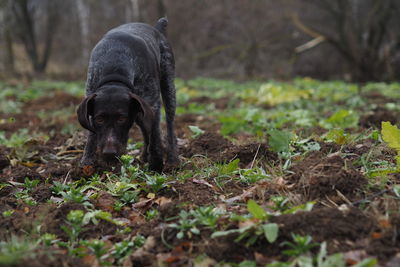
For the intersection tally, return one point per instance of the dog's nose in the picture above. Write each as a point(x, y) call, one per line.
point(109, 151)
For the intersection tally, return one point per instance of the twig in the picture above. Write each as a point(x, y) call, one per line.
point(69, 151)
point(255, 156)
point(66, 177)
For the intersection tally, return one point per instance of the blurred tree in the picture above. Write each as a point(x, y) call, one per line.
point(24, 28)
point(8, 52)
point(82, 7)
point(361, 31)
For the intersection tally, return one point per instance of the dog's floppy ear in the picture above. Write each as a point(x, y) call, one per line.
point(144, 112)
point(85, 109)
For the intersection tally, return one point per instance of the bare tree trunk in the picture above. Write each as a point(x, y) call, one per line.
point(135, 10)
point(83, 15)
point(24, 30)
point(162, 11)
point(8, 52)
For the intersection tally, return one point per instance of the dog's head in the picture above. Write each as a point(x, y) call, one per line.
point(110, 114)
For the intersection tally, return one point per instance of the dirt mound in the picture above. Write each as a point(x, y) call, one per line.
point(318, 175)
point(327, 224)
point(375, 118)
point(248, 153)
point(219, 149)
point(41, 193)
point(19, 173)
point(340, 228)
point(209, 144)
point(387, 243)
point(195, 193)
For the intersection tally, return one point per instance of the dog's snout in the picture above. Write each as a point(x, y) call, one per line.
point(110, 151)
point(110, 147)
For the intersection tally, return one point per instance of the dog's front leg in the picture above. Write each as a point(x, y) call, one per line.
point(89, 155)
point(153, 150)
point(156, 149)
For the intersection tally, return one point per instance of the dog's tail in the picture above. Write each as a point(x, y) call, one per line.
point(161, 25)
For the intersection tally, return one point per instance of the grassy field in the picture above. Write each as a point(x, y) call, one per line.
point(300, 173)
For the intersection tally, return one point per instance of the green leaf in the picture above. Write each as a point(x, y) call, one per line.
point(279, 140)
point(256, 210)
point(366, 263)
point(391, 135)
point(196, 131)
point(271, 231)
point(230, 167)
point(247, 264)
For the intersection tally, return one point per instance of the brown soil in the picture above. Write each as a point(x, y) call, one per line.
point(219, 149)
point(317, 176)
point(375, 118)
point(220, 103)
point(343, 230)
point(194, 193)
point(55, 102)
point(387, 244)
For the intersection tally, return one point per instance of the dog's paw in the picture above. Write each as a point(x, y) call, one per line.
point(87, 162)
point(156, 165)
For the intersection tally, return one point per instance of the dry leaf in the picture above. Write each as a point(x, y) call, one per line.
point(88, 170)
point(161, 201)
point(376, 235)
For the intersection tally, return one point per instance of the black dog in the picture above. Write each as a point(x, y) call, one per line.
point(128, 70)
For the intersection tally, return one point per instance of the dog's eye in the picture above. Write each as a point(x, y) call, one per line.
point(99, 120)
point(121, 120)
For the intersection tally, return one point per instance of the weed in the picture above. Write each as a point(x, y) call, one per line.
point(8, 213)
point(151, 214)
point(73, 229)
point(187, 225)
point(254, 229)
point(299, 246)
point(196, 131)
point(16, 249)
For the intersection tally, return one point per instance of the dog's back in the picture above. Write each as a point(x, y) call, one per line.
point(131, 50)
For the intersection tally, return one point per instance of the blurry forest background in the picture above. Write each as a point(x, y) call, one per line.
point(354, 40)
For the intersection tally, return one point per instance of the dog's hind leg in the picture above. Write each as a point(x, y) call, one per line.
point(168, 93)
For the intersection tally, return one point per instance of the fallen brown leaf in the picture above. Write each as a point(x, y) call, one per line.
point(88, 170)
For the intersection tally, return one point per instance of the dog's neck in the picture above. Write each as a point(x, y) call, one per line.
point(115, 78)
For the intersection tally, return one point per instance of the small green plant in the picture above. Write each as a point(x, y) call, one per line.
point(281, 203)
point(76, 195)
point(253, 175)
point(151, 214)
point(207, 216)
point(48, 239)
point(8, 213)
point(125, 247)
point(58, 187)
point(391, 135)
point(98, 248)
point(155, 182)
point(187, 225)
point(30, 184)
point(279, 141)
point(299, 246)
point(73, 228)
point(95, 215)
point(254, 229)
point(14, 250)
point(196, 131)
